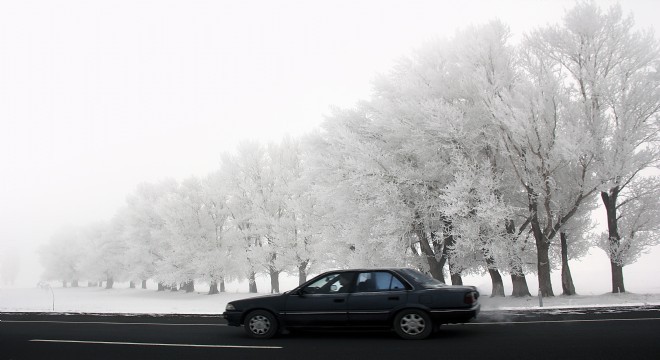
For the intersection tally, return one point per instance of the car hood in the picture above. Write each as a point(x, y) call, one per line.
point(266, 299)
point(258, 298)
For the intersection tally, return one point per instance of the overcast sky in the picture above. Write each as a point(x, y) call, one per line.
point(98, 96)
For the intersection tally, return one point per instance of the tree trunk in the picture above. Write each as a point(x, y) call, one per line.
point(519, 283)
point(609, 200)
point(518, 279)
point(543, 266)
point(161, 286)
point(567, 285)
point(495, 278)
point(253, 282)
point(64, 283)
point(542, 248)
point(131, 284)
point(498, 284)
point(144, 284)
point(273, 273)
point(454, 273)
point(435, 266)
point(456, 279)
point(447, 244)
point(222, 285)
point(617, 278)
point(274, 281)
point(213, 289)
point(188, 286)
point(302, 272)
point(109, 283)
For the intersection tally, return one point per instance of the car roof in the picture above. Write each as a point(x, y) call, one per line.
point(369, 269)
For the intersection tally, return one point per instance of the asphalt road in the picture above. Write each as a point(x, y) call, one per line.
point(603, 333)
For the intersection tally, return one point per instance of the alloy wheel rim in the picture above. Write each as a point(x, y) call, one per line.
point(259, 324)
point(412, 324)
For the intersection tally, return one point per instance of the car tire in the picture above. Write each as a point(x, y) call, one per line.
point(413, 324)
point(260, 324)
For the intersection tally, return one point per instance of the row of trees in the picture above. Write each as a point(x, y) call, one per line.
point(254, 215)
point(473, 155)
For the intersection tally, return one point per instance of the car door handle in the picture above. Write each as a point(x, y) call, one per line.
point(393, 298)
point(338, 300)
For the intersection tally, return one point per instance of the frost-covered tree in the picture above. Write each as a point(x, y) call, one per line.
point(478, 217)
point(612, 70)
point(298, 226)
point(537, 126)
point(144, 231)
point(271, 208)
point(104, 249)
point(187, 230)
point(363, 211)
point(480, 63)
point(638, 224)
point(406, 150)
point(419, 132)
point(248, 186)
point(575, 239)
point(62, 256)
point(194, 216)
point(215, 262)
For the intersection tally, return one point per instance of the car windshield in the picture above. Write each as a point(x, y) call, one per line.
point(422, 278)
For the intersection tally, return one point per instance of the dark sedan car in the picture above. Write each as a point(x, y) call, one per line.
point(410, 302)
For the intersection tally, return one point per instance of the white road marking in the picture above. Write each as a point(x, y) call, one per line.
point(553, 321)
point(106, 323)
point(155, 344)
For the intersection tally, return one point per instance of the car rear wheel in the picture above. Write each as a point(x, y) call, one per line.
point(413, 324)
point(260, 324)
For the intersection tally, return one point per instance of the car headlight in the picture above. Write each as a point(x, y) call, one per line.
point(230, 307)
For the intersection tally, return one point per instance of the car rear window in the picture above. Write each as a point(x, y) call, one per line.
point(422, 278)
point(378, 281)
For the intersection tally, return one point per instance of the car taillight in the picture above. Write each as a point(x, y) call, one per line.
point(470, 298)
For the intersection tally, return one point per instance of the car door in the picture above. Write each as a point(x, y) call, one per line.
point(321, 303)
point(376, 295)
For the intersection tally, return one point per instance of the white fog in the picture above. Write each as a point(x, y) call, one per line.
point(97, 97)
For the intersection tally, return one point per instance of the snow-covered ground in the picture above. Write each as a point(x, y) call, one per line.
point(123, 300)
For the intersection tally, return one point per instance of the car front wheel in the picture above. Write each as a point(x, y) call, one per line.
point(260, 324)
point(413, 324)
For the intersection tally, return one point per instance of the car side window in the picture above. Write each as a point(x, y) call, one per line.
point(378, 281)
point(329, 284)
point(397, 284)
point(321, 286)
